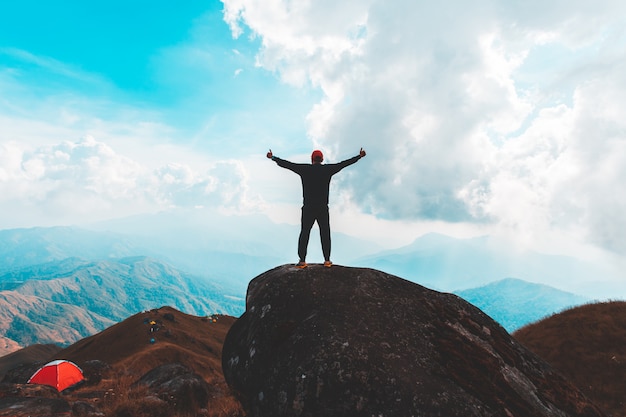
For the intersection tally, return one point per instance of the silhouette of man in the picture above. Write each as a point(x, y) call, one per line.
point(315, 186)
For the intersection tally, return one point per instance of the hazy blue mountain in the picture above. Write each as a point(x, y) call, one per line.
point(224, 263)
point(63, 301)
point(115, 288)
point(230, 250)
point(449, 264)
point(515, 303)
point(38, 245)
point(200, 262)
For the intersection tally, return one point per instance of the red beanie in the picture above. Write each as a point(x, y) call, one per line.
point(317, 155)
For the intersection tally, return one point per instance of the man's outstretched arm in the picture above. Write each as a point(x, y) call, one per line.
point(353, 159)
point(341, 165)
point(283, 163)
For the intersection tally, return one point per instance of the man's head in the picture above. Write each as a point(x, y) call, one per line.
point(317, 157)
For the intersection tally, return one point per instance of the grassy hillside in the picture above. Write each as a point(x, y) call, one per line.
point(588, 345)
point(115, 359)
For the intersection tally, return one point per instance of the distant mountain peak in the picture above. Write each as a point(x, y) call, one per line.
point(515, 303)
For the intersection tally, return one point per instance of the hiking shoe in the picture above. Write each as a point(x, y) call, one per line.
point(328, 264)
point(301, 265)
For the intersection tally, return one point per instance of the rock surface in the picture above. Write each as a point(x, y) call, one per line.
point(358, 342)
point(19, 400)
point(34, 407)
point(178, 385)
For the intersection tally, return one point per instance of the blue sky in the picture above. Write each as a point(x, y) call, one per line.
point(116, 39)
point(179, 62)
point(492, 118)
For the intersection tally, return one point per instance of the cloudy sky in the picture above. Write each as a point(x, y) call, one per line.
point(485, 117)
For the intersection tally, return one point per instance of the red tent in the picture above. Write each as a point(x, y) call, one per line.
point(59, 374)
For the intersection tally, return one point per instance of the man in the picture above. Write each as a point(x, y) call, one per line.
point(315, 185)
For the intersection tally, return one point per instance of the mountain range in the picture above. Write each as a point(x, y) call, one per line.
point(233, 249)
point(60, 284)
point(64, 301)
point(229, 250)
point(449, 264)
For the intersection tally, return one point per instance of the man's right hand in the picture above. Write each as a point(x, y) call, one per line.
point(269, 154)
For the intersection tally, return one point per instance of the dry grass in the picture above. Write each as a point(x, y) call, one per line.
point(119, 396)
point(118, 391)
point(587, 344)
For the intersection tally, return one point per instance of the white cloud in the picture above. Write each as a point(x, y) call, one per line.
point(223, 185)
point(73, 182)
point(565, 170)
point(493, 113)
point(483, 111)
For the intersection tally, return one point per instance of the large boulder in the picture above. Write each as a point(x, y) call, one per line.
point(358, 342)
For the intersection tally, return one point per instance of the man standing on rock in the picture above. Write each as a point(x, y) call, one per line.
point(315, 186)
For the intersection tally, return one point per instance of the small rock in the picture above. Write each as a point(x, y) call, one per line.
point(178, 385)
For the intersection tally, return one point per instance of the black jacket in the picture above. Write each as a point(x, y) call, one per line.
point(315, 178)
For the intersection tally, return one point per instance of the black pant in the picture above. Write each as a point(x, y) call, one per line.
point(309, 216)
